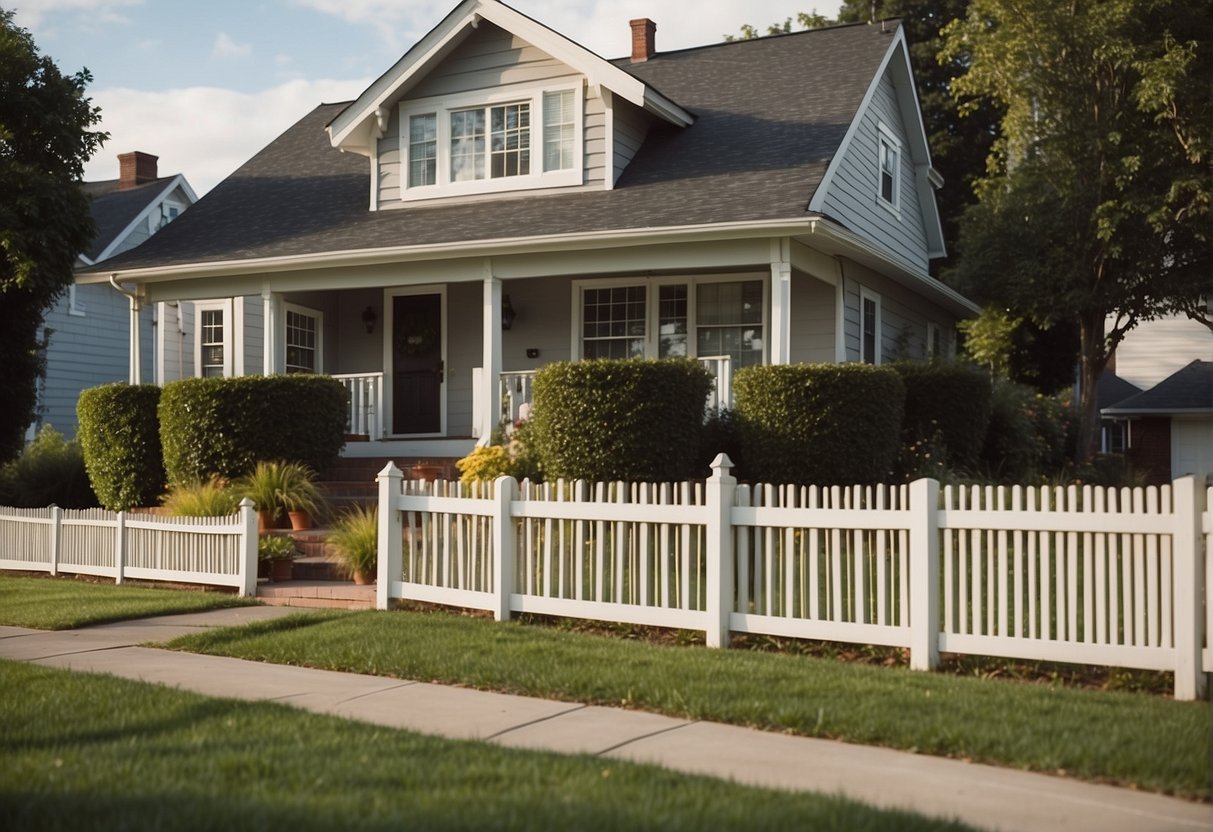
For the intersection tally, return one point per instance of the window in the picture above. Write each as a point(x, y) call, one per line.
point(302, 340)
point(164, 216)
point(473, 143)
point(728, 320)
point(74, 306)
point(672, 321)
point(869, 342)
point(888, 168)
point(613, 322)
point(212, 345)
point(934, 341)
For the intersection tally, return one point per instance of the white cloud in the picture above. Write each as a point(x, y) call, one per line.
point(204, 132)
point(31, 13)
point(225, 47)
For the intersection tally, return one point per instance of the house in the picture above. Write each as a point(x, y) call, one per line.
point(502, 198)
point(1169, 427)
point(86, 334)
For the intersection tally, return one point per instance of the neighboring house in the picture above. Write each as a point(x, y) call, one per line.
point(502, 198)
point(87, 332)
point(1153, 350)
point(1169, 428)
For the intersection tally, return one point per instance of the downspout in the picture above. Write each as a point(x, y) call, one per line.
point(133, 344)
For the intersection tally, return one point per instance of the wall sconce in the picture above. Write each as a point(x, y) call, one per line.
point(507, 312)
point(368, 319)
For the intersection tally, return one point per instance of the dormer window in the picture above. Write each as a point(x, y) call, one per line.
point(888, 172)
point(460, 145)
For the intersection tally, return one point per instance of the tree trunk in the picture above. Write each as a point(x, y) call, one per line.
point(1093, 358)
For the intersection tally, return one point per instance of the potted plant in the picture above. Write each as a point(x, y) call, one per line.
point(212, 498)
point(280, 489)
point(355, 536)
point(278, 551)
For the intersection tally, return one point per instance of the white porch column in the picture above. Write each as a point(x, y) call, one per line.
point(490, 379)
point(781, 301)
point(270, 359)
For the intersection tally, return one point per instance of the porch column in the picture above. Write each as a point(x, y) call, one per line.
point(781, 301)
point(490, 379)
point(270, 359)
point(136, 342)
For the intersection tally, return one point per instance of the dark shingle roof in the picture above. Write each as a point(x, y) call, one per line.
point(770, 114)
point(1188, 389)
point(113, 209)
point(1113, 389)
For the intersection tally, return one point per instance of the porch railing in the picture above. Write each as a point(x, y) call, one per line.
point(366, 404)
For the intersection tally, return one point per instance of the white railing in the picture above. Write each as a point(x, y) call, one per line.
point(366, 404)
point(517, 388)
point(1090, 575)
point(721, 368)
point(216, 551)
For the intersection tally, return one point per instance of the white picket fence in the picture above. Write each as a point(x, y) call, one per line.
point(1087, 575)
point(216, 551)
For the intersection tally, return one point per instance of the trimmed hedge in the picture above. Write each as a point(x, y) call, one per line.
point(947, 409)
point(224, 426)
point(819, 424)
point(119, 434)
point(625, 419)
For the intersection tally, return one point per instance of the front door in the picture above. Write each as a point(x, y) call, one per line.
point(417, 370)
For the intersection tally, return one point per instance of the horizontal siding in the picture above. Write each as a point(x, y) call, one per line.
point(390, 160)
point(904, 317)
point(254, 335)
point(594, 139)
point(463, 352)
point(852, 195)
point(812, 323)
point(1154, 350)
point(631, 126)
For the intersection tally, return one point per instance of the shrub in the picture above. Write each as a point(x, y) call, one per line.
point(224, 426)
point(355, 536)
point(485, 464)
point(619, 419)
point(1013, 450)
point(276, 547)
point(50, 471)
point(721, 435)
point(277, 487)
point(120, 436)
point(828, 424)
point(213, 498)
point(947, 408)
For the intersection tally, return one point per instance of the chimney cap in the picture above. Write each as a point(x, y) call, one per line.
point(644, 39)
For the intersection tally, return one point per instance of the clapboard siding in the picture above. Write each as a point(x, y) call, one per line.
point(903, 317)
point(812, 323)
point(631, 126)
point(463, 352)
point(254, 335)
point(1154, 350)
point(391, 159)
point(851, 195)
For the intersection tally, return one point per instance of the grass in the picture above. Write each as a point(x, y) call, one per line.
point(1129, 739)
point(83, 752)
point(63, 604)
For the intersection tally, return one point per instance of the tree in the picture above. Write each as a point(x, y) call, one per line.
point(45, 139)
point(805, 20)
point(1096, 206)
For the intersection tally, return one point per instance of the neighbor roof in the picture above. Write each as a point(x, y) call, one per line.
point(1189, 390)
point(770, 114)
point(113, 210)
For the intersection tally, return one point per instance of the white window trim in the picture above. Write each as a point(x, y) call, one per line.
point(652, 311)
point(311, 313)
point(74, 306)
point(866, 294)
point(224, 306)
point(442, 106)
point(885, 136)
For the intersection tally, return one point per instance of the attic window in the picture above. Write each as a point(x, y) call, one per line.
point(478, 143)
point(888, 168)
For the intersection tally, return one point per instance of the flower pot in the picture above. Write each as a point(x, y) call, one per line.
point(282, 569)
point(300, 520)
point(267, 520)
point(363, 578)
point(429, 473)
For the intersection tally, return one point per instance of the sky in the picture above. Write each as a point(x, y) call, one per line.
point(205, 84)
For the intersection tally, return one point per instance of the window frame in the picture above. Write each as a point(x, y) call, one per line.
point(74, 307)
point(317, 316)
point(225, 308)
point(868, 296)
point(934, 333)
point(442, 107)
point(887, 138)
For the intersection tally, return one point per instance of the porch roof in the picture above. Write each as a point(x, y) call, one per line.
point(770, 114)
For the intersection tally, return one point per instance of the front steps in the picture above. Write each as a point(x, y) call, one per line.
point(313, 594)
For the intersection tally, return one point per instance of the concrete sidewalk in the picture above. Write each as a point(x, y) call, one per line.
point(984, 796)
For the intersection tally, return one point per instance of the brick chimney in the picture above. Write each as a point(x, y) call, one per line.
point(135, 169)
point(644, 39)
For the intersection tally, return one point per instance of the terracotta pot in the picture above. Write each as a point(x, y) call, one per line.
point(282, 569)
point(363, 578)
point(267, 520)
point(429, 473)
point(301, 521)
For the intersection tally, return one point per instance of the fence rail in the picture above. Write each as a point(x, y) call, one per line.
point(1086, 575)
point(217, 551)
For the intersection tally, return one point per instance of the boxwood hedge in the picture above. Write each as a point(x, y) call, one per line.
point(619, 419)
point(947, 408)
point(824, 424)
point(224, 426)
point(119, 435)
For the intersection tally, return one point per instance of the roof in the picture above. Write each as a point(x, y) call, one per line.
point(1112, 389)
point(114, 210)
point(770, 115)
point(1189, 390)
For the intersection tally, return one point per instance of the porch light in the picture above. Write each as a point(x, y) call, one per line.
point(507, 312)
point(368, 319)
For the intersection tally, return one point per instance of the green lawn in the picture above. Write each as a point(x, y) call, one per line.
point(82, 752)
point(1145, 741)
point(64, 603)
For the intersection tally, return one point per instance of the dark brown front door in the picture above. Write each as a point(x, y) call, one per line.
point(417, 370)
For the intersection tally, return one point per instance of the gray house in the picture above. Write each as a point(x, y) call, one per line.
point(502, 198)
point(87, 333)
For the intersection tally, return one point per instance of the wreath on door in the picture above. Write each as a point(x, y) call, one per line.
point(416, 336)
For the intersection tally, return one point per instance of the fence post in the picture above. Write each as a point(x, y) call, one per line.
point(248, 548)
point(390, 565)
point(56, 537)
point(924, 574)
point(505, 545)
point(1189, 580)
point(120, 548)
point(721, 487)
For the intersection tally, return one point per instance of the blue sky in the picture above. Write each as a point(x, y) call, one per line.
point(204, 85)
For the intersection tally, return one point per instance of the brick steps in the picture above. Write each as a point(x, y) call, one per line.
point(317, 595)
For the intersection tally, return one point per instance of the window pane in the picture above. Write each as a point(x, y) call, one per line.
point(510, 140)
point(467, 145)
point(423, 150)
point(210, 334)
point(301, 342)
point(614, 322)
point(729, 318)
point(888, 171)
point(672, 321)
point(558, 127)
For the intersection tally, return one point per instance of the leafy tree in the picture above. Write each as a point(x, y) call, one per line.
point(1095, 211)
point(804, 20)
point(45, 139)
